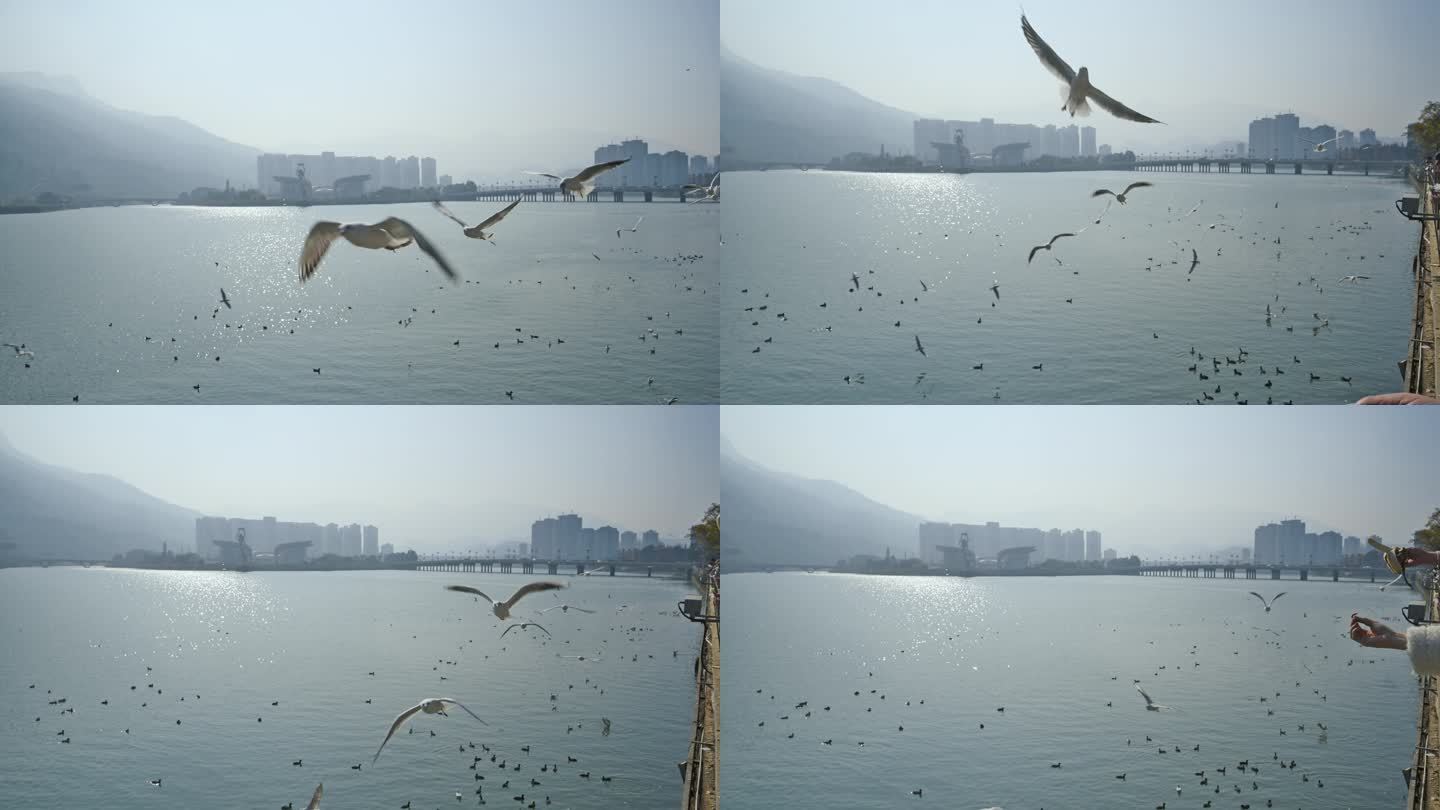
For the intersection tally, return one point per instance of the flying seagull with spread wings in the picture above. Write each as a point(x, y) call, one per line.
point(225, 299)
point(634, 229)
point(477, 232)
point(391, 234)
point(429, 706)
point(522, 626)
point(1267, 604)
point(502, 609)
point(1045, 246)
point(1078, 89)
point(1150, 705)
point(1320, 146)
point(583, 183)
point(1120, 198)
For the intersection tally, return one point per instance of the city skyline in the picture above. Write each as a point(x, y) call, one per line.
point(1153, 479)
point(435, 477)
point(1201, 74)
point(659, 59)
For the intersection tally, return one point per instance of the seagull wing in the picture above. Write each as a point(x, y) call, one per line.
point(315, 799)
point(1261, 598)
point(446, 211)
point(529, 588)
point(1048, 57)
point(400, 229)
point(1035, 250)
point(1101, 192)
point(499, 215)
point(1058, 236)
point(405, 715)
point(599, 169)
point(469, 590)
point(317, 242)
point(455, 702)
point(637, 224)
point(1276, 597)
point(1117, 109)
point(1148, 701)
point(1133, 186)
point(547, 174)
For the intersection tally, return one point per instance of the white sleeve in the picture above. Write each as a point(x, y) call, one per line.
point(1423, 644)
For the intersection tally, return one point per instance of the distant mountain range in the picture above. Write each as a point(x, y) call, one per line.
point(55, 513)
point(774, 518)
point(768, 116)
point(54, 137)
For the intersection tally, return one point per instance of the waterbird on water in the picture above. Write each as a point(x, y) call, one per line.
point(1079, 91)
point(477, 232)
point(429, 706)
point(391, 234)
point(502, 609)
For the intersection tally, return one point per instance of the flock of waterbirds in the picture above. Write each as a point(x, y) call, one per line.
point(870, 710)
point(394, 234)
point(526, 791)
point(1249, 378)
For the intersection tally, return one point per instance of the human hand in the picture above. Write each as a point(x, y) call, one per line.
point(1370, 633)
point(1398, 399)
point(1417, 556)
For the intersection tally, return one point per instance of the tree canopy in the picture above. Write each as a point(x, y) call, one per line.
point(1426, 133)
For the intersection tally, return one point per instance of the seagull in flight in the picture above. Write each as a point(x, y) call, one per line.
point(566, 609)
point(477, 232)
point(314, 799)
point(522, 626)
point(707, 193)
point(20, 351)
point(634, 229)
point(919, 347)
point(583, 183)
point(1079, 91)
point(1150, 705)
point(1120, 198)
point(1269, 603)
point(225, 299)
point(1194, 260)
point(1047, 246)
point(429, 706)
point(502, 609)
point(392, 233)
point(1320, 147)
point(995, 288)
point(855, 279)
point(1353, 279)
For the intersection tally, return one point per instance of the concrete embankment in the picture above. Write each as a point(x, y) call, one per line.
point(1424, 770)
point(1422, 363)
point(702, 764)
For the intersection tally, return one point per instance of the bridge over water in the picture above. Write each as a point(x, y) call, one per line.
point(1204, 165)
point(1221, 571)
point(469, 565)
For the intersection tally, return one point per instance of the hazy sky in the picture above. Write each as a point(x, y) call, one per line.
point(480, 85)
point(1149, 477)
point(426, 476)
point(1206, 70)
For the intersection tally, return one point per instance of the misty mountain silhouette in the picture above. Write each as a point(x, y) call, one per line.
point(54, 137)
point(773, 117)
point(56, 513)
point(774, 518)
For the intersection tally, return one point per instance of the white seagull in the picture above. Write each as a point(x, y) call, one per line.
point(1269, 603)
point(522, 626)
point(315, 798)
point(20, 351)
point(1320, 147)
point(1046, 246)
point(477, 232)
point(1150, 705)
point(391, 234)
point(635, 229)
point(225, 299)
point(1120, 198)
point(502, 609)
point(710, 193)
point(1078, 89)
point(580, 185)
point(566, 609)
point(429, 706)
point(1353, 279)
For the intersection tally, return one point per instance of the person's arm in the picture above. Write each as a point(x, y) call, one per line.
point(1422, 643)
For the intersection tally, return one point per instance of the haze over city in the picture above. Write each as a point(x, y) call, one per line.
point(486, 88)
point(1156, 481)
point(432, 478)
point(1206, 72)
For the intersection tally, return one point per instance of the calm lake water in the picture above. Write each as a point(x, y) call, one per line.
point(1115, 324)
point(310, 640)
point(1054, 652)
point(85, 289)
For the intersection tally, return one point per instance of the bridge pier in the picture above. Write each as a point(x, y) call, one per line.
point(1299, 167)
point(1250, 572)
point(1269, 167)
point(649, 195)
point(650, 570)
point(1274, 573)
point(1335, 575)
point(579, 569)
point(527, 567)
point(554, 568)
point(1330, 168)
point(505, 567)
point(612, 569)
point(1304, 574)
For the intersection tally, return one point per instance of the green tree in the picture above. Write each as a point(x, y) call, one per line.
point(1426, 131)
point(707, 532)
point(1429, 537)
